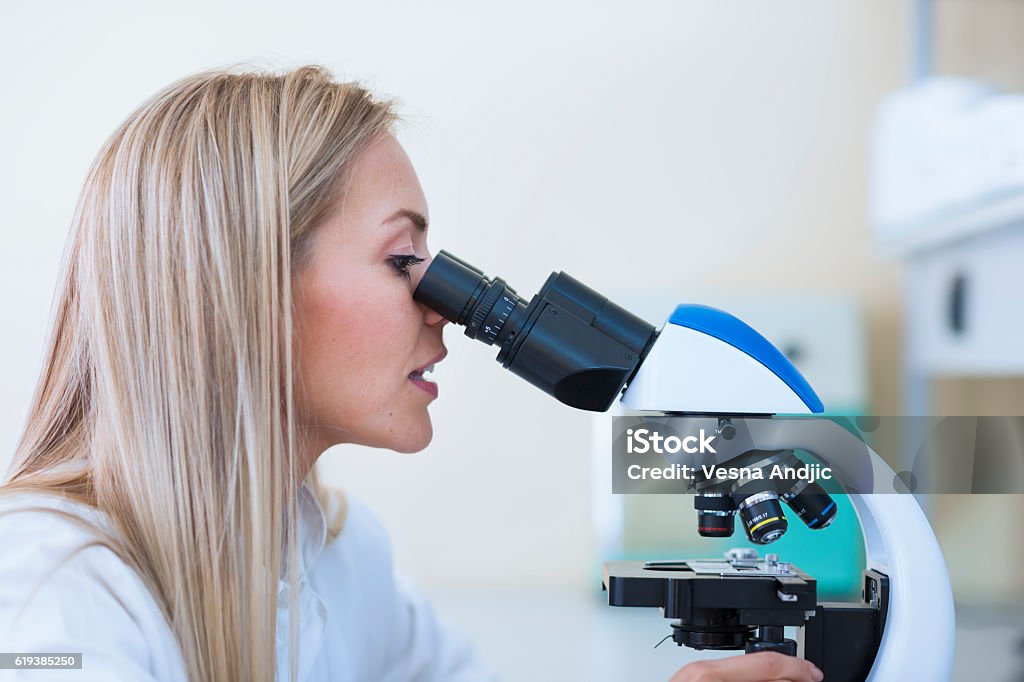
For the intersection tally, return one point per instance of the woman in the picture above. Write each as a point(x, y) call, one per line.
point(236, 298)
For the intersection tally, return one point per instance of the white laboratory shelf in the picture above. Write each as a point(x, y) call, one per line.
point(947, 162)
point(954, 224)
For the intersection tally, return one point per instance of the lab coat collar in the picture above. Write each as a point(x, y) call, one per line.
point(312, 535)
point(312, 528)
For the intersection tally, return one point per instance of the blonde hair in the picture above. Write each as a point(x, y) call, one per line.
point(166, 397)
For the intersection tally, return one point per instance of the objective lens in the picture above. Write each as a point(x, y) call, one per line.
point(811, 503)
point(715, 515)
point(809, 500)
point(761, 513)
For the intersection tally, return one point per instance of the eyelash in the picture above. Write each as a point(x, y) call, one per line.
point(403, 263)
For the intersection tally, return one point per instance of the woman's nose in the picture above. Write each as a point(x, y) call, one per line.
point(433, 319)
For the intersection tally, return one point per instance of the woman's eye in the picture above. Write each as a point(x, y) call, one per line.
point(402, 263)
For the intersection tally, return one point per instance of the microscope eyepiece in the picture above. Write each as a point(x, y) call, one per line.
point(464, 295)
point(569, 341)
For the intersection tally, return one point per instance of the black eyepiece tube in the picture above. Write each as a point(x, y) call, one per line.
point(569, 341)
point(451, 286)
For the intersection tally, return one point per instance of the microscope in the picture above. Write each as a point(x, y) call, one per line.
point(707, 372)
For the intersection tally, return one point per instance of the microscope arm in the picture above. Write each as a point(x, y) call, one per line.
point(917, 643)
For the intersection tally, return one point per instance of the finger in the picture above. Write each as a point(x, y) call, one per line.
point(767, 665)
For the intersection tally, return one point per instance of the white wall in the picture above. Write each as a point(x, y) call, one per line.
point(673, 146)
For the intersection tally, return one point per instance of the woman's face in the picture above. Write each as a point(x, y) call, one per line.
point(361, 339)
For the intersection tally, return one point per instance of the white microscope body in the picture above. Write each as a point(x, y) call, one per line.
point(576, 345)
point(707, 362)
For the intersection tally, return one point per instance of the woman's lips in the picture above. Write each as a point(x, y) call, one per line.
point(424, 385)
point(422, 382)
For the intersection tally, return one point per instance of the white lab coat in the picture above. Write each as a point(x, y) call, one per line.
point(358, 620)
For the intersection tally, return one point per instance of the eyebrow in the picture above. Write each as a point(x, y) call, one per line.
point(417, 219)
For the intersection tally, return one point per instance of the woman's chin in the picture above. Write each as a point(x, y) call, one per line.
point(410, 434)
point(415, 439)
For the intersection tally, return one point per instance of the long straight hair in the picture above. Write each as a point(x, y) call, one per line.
point(166, 396)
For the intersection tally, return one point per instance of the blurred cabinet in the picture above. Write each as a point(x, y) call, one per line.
point(965, 306)
point(947, 196)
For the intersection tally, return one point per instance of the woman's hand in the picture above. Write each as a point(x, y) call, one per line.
point(763, 667)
